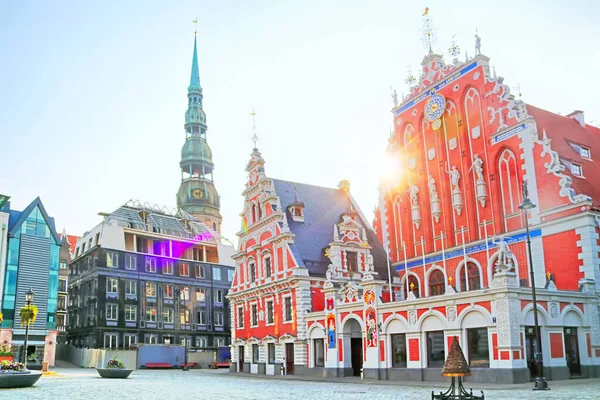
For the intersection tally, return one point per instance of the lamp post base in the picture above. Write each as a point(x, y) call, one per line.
point(541, 384)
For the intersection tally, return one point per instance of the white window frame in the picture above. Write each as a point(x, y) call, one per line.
point(112, 258)
point(202, 317)
point(184, 293)
point(220, 341)
point(130, 262)
point(199, 271)
point(167, 287)
point(230, 274)
point(265, 258)
point(153, 338)
point(111, 337)
point(112, 316)
point(575, 167)
point(202, 342)
point(149, 314)
point(240, 321)
point(168, 315)
point(217, 271)
point(267, 302)
point(219, 318)
point(218, 296)
point(112, 283)
point(167, 267)
point(150, 264)
point(287, 319)
point(128, 285)
point(253, 315)
point(582, 150)
point(181, 265)
point(146, 287)
point(203, 291)
point(129, 340)
point(132, 311)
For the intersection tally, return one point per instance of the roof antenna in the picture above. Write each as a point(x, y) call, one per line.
point(254, 138)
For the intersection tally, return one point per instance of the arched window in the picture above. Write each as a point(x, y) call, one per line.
point(252, 272)
point(473, 277)
point(509, 183)
point(413, 286)
point(253, 213)
point(397, 227)
point(437, 284)
point(268, 266)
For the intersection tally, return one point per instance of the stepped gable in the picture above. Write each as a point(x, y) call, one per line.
point(323, 207)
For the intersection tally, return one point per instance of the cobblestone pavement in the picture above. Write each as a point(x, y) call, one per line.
point(216, 385)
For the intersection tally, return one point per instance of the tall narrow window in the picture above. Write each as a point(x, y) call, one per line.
point(319, 352)
point(399, 351)
point(271, 352)
point(435, 349)
point(509, 183)
point(473, 277)
point(412, 286)
point(269, 312)
point(255, 355)
point(252, 272)
point(287, 303)
point(240, 317)
point(479, 351)
point(437, 285)
point(352, 261)
point(254, 315)
point(268, 271)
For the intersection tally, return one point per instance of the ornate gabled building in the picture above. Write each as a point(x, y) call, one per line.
point(452, 223)
point(298, 242)
point(197, 194)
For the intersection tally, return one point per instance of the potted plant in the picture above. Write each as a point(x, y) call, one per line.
point(115, 368)
point(28, 314)
point(15, 375)
point(6, 353)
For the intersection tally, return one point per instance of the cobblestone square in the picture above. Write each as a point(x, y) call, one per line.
point(210, 384)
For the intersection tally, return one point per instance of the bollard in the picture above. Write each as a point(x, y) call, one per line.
point(45, 366)
point(361, 374)
point(282, 370)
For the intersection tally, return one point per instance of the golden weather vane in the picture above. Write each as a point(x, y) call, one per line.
point(195, 26)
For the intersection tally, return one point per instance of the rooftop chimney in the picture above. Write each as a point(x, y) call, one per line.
point(577, 115)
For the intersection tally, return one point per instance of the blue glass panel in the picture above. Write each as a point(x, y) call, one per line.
point(13, 250)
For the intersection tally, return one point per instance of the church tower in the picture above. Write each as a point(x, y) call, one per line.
point(197, 194)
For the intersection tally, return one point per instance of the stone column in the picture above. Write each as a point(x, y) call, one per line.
point(332, 334)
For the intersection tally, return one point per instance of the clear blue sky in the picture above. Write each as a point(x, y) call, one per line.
point(93, 94)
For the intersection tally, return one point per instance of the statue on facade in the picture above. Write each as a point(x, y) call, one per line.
point(478, 166)
point(414, 191)
point(394, 97)
point(329, 275)
point(432, 189)
point(370, 264)
point(505, 255)
point(477, 43)
point(454, 178)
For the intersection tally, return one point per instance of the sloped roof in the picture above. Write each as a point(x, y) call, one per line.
point(17, 218)
point(322, 209)
point(567, 135)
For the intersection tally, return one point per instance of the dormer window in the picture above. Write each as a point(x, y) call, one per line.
point(297, 212)
point(585, 153)
point(576, 170)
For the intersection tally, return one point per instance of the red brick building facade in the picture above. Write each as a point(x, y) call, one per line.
point(450, 221)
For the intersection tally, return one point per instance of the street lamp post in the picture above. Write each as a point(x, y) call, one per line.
point(540, 381)
point(28, 300)
point(185, 336)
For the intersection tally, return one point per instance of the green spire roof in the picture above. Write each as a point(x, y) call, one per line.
point(195, 78)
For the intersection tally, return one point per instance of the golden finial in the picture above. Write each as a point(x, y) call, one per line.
point(450, 279)
point(327, 253)
point(549, 275)
point(195, 26)
point(412, 286)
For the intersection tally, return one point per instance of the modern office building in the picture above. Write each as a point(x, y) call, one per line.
point(32, 258)
point(148, 275)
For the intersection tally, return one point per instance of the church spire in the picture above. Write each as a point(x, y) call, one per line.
point(197, 194)
point(195, 76)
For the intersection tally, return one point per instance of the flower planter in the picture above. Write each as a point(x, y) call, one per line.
point(7, 358)
point(114, 373)
point(10, 380)
point(34, 366)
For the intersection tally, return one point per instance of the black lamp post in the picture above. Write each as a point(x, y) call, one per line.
point(28, 300)
point(540, 381)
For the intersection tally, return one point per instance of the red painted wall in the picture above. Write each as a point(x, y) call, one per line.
point(565, 267)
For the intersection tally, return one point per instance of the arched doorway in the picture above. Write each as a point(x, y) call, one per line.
point(353, 347)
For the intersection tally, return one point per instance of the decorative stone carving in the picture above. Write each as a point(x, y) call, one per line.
point(414, 205)
point(370, 264)
point(451, 311)
point(595, 321)
point(480, 185)
point(412, 317)
point(436, 210)
point(457, 200)
point(477, 44)
point(331, 272)
point(553, 310)
point(505, 261)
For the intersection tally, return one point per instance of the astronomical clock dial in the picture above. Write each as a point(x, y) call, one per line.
point(435, 107)
point(197, 193)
